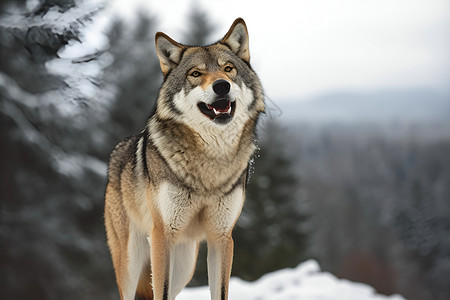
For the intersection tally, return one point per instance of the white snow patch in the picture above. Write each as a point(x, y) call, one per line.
point(305, 282)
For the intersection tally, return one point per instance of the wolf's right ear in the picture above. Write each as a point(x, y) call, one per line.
point(169, 52)
point(237, 39)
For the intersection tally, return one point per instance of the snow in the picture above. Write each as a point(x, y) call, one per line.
point(81, 77)
point(305, 282)
point(58, 22)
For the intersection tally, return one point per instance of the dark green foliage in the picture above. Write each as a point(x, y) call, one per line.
point(134, 75)
point(270, 234)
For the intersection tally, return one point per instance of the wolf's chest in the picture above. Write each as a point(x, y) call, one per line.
point(208, 163)
point(188, 214)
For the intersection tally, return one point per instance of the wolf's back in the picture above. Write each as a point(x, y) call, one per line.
point(120, 156)
point(120, 165)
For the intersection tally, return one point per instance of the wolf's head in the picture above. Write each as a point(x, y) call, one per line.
point(209, 86)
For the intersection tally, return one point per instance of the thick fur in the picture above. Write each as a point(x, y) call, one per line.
point(182, 180)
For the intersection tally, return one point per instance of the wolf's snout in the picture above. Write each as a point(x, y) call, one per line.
point(221, 87)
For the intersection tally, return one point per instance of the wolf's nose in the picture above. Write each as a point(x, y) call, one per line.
point(221, 87)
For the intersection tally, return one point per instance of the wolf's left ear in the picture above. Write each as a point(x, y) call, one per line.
point(237, 39)
point(169, 52)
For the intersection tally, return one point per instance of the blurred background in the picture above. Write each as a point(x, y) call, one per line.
point(354, 161)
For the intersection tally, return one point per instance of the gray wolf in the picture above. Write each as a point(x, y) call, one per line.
point(182, 179)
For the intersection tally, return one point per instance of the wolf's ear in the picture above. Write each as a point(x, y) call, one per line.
point(237, 39)
point(169, 52)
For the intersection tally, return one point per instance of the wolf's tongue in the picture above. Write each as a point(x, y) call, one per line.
point(220, 107)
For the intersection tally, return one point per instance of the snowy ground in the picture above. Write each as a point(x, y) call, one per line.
point(305, 282)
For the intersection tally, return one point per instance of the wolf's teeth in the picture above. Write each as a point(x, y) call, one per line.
point(216, 112)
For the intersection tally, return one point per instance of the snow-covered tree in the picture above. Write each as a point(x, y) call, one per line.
point(50, 188)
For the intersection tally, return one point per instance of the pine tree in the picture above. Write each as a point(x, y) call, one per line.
point(199, 28)
point(134, 77)
point(51, 228)
point(269, 234)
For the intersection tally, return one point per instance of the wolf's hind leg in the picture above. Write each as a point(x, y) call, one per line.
point(182, 261)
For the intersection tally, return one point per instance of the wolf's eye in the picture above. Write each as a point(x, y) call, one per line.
point(196, 74)
point(228, 69)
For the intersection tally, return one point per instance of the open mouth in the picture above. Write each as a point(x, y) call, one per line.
point(220, 111)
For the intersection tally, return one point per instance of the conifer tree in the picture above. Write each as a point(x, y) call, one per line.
point(50, 229)
point(199, 29)
point(269, 233)
point(133, 77)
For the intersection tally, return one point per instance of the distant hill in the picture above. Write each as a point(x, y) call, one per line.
point(387, 106)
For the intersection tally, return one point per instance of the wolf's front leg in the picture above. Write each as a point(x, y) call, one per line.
point(220, 259)
point(160, 247)
point(219, 221)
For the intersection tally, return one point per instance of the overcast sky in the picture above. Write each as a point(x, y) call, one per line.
point(306, 48)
